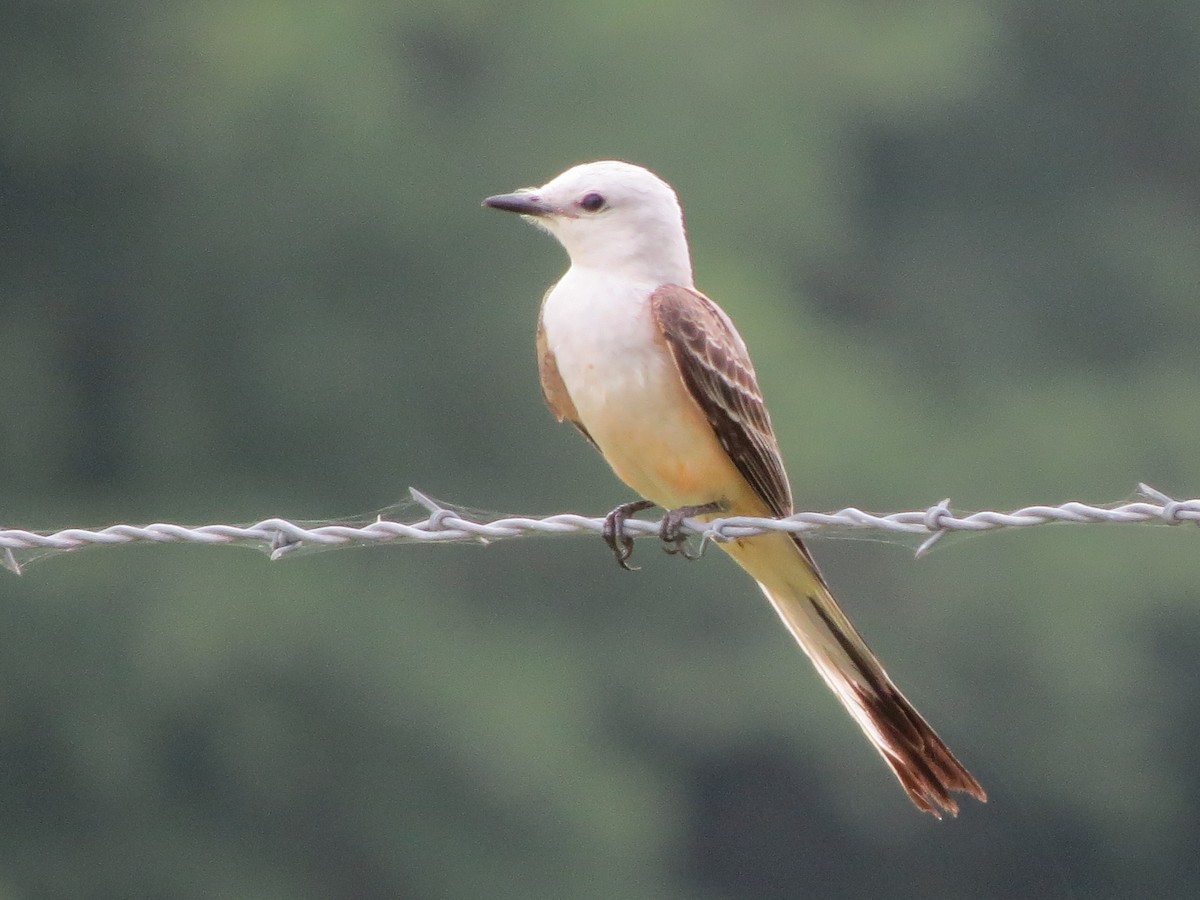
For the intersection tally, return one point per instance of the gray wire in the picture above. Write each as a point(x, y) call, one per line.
point(444, 525)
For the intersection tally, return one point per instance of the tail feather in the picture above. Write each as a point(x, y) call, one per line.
point(924, 765)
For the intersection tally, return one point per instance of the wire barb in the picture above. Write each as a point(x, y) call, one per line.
point(280, 537)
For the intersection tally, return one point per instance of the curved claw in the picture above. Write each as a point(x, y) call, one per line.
point(670, 531)
point(679, 546)
point(620, 543)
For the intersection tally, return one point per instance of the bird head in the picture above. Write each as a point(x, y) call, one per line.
point(612, 216)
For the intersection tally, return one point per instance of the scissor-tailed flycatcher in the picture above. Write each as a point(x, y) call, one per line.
point(656, 377)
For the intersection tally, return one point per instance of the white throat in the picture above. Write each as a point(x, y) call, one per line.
point(640, 252)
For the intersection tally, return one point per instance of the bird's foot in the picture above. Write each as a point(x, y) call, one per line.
point(614, 534)
point(671, 530)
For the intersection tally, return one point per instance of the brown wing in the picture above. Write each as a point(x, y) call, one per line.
point(553, 389)
point(717, 371)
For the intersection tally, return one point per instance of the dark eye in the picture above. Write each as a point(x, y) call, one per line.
point(591, 202)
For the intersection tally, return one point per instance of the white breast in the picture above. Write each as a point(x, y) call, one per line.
point(604, 342)
point(628, 392)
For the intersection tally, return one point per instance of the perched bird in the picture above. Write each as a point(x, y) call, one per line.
point(654, 374)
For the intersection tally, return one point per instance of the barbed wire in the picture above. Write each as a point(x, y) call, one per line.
point(445, 524)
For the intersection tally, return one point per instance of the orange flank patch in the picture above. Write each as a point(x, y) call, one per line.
point(701, 475)
point(685, 476)
point(668, 453)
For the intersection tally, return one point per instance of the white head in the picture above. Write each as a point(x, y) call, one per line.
point(611, 216)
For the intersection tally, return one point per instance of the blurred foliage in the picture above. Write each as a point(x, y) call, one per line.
point(243, 272)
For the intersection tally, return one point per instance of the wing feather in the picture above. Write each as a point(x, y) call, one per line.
point(715, 366)
point(553, 388)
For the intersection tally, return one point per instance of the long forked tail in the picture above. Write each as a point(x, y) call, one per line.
point(926, 768)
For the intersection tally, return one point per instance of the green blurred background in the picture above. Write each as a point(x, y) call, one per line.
point(245, 273)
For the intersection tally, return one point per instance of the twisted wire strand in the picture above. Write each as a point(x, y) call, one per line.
point(281, 537)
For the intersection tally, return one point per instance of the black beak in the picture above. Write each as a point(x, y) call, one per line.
point(523, 202)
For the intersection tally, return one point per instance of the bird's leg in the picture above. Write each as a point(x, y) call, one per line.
point(674, 541)
point(614, 534)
